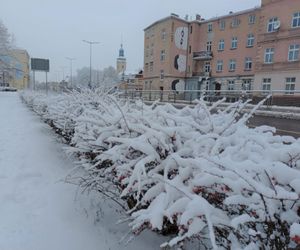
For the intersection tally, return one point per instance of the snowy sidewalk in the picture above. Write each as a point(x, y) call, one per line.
point(37, 210)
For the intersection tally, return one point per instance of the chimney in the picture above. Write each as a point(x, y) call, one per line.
point(198, 17)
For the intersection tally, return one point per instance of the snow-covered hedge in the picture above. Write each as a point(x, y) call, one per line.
point(194, 173)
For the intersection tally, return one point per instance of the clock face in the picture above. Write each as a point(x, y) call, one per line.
point(181, 38)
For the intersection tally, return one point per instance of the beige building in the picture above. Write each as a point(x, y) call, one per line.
point(16, 70)
point(255, 49)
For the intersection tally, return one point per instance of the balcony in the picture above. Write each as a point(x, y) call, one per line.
point(202, 55)
point(201, 74)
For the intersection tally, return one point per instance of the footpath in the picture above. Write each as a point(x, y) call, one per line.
point(38, 210)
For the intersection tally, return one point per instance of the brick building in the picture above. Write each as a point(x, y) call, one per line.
point(255, 49)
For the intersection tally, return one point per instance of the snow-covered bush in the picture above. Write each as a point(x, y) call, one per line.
point(196, 173)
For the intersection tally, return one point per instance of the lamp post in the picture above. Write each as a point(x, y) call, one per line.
point(71, 60)
point(90, 43)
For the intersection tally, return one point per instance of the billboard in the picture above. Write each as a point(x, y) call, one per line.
point(38, 64)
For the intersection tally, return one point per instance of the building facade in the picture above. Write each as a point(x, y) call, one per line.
point(15, 70)
point(255, 49)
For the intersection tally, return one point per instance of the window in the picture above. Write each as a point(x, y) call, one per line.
point(232, 65)
point(162, 55)
point(290, 85)
point(222, 24)
point(293, 52)
point(235, 22)
point(234, 43)
point(208, 46)
point(266, 85)
point(207, 67)
point(146, 67)
point(162, 74)
point(296, 20)
point(246, 85)
point(250, 40)
point(220, 66)
point(269, 55)
point(248, 63)
point(163, 35)
point(251, 19)
point(221, 44)
point(147, 51)
point(209, 27)
point(191, 29)
point(231, 85)
point(151, 66)
point(272, 24)
point(190, 49)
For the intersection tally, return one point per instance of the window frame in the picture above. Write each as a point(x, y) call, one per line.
point(234, 41)
point(221, 42)
point(232, 62)
point(294, 52)
point(266, 85)
point(297, 19)
point(209, 27)
point(269, 53)
point(251, 19)
point(162, 55)
point(250, 40)
point(207, 67)
point(209, 46)
point(235, 22)
point(248, 63)
point(290, 85)
point(222, 25)
point(220, 64)
point(231, 85)
point(271, 23)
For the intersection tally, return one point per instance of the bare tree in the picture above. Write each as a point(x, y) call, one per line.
point(5, 46)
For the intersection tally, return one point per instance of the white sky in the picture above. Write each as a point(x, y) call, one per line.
point(55, 29)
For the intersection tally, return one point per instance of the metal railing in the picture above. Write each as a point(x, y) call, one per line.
point(278, 97)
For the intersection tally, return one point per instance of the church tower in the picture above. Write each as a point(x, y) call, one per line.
point(121, 61)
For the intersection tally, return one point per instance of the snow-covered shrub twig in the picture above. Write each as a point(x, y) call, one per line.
point(191, 172)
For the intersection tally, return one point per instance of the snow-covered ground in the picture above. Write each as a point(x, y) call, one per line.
point(38, 210)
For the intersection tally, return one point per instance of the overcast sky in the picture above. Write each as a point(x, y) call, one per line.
point(55, 29)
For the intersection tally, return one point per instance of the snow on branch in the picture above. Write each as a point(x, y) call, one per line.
point(192, 172)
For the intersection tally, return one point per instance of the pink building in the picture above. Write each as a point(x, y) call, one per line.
point(255, 49)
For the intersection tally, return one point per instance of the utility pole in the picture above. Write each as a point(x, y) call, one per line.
point(71, 76)
point(90, 43)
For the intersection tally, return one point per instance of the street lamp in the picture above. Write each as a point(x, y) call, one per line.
point(90, 43)
point(71, 60)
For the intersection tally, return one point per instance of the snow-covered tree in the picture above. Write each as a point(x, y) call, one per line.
point(5, 40)
point(105, 78)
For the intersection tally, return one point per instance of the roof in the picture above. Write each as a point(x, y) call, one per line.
point(172, 16)
point(228, 15)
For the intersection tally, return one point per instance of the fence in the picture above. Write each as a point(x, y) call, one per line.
point(278, 97)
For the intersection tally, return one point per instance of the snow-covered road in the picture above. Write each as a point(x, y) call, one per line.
point(37, 210)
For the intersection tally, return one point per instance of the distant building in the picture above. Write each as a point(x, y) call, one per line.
point(255, 49)
point(132, 81)
point(15, 70)
point(121, 61)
